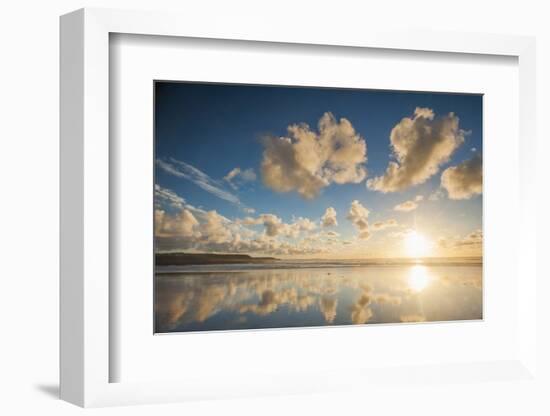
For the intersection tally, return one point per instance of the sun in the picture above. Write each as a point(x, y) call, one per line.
point(416, 245)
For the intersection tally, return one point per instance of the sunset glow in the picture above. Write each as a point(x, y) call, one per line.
point(419, 278)
point(417, 245)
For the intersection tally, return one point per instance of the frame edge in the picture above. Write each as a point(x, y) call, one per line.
point(71, 216)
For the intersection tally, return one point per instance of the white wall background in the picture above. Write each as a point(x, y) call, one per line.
point(29, 205)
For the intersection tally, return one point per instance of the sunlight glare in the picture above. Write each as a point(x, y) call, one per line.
point(419, 278)
point(416, 245)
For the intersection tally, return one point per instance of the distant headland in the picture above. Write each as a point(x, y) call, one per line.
point(184, 259)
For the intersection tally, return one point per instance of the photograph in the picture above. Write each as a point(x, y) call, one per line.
point(293, 207)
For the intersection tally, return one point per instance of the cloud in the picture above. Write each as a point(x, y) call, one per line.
point(212, 232)
point(163, 195)
point(473, 240)
point(406, 206)
point(185, 230)
point(237, 177)
point(182, 224)
point(275, 226)
point(215, 229)
point(202, 180)
point(464, 180)
point(420, 145)
point(329, 218)
point(381, 225)
point(307, 161)
point(167, 199)
point(358, 215)
point(475, 237)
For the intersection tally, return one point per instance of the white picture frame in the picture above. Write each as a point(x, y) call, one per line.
point(85, 212)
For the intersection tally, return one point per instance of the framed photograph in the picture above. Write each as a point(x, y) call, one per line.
point(243, 215)
point(279, 225)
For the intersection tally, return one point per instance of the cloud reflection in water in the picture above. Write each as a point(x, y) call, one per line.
point(278, 298)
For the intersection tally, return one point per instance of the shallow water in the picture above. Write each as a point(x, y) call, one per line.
point(206, 298)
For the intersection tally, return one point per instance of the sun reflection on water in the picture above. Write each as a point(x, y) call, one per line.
point(419, 278)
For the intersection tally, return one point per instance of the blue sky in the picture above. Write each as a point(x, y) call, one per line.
point(216, 128)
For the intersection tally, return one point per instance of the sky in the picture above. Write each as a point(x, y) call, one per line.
point(297, 172)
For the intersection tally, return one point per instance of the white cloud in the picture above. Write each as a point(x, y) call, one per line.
point(410, 205)
point(166, 198)
point(473, 240)
point(274, 226)
point(237, 177)
point(212, 232)
point(163, 195)
point(358, 215)
point(307, 161)
point(182, 224)
point(202, 180)
point(382, 225)
point(464, 180)
point(420, 145)
point(329, 218)
point(215, 229)
point(406, 206)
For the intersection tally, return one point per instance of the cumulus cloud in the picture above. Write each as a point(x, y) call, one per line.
point(183, 230)
point(420, 145)
point(464, 180)
point(329, 218)
point(237, 177)
point(274, 226)
point(209, 231)
point(382, 225)
point(358, 215)
point(307, 161)
point(182, 224)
